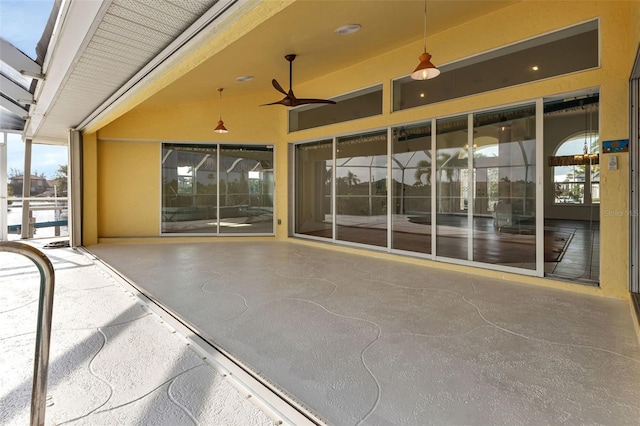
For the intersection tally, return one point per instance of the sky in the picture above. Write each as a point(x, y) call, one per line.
point(22, 23)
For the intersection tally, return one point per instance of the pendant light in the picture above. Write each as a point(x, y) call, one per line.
point(425, 70)
point(220, 127)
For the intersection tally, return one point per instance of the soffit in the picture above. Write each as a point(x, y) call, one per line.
point(127, 35)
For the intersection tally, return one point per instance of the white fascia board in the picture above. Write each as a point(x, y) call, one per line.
point(51, 140)
point(76, 23)
point(15, 91)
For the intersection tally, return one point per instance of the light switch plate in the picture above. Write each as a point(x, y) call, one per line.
point(613, 162)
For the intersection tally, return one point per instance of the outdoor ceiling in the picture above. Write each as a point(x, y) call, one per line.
point(307, 28)
point(116, 46)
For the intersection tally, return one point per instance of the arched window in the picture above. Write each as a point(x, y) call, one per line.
point(578, 184)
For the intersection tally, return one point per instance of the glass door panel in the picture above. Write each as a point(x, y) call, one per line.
point(504, 194)
point(452, 185)
point(572, 188)
point(361, 188)
point(411, 188)
point(189, 188)
point(314, 181)
point(246, 189)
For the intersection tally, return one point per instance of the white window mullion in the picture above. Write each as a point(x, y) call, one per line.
point(389, 190)
point(470, 185)
point(333, 190)
point(434, 189)
point(540, 187)
point(217, 189)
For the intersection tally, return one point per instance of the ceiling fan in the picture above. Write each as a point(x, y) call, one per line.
point(290, 99)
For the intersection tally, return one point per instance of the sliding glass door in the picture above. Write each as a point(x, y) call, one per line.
point(211, 189)
point(246, 189)
point(361, 188)
point(411, 162)
point(189, 189)
point(504, 195)
point(314, 183)
point(453, 186)
point(461, 189)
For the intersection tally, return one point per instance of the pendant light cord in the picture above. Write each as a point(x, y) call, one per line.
point(220, 102)
point(425, 26)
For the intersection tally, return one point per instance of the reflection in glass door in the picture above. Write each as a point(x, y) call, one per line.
point(462, 189)
point(361, 188)
point(504, 196)
point(411, 188)
point(203, 193)
point(452, 187)
point(246, 189)
point(314, 183)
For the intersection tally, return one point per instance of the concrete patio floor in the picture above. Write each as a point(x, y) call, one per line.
point(351, 339)
point(113, 362)
point(359, 340)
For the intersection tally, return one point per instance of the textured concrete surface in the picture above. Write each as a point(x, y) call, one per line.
point(359, 340)
point(112, 362)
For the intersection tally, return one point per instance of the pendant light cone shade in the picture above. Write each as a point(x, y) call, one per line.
point(425, 70)
point(220, 127)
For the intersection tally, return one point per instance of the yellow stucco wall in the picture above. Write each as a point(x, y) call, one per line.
point(249, 123)
point(128, 196)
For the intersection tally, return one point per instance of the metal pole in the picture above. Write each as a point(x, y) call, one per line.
point(43, 332)
point(26, 191)
point(3, 188)
point(74, 188)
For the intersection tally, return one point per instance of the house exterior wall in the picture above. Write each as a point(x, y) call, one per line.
point(133, 140)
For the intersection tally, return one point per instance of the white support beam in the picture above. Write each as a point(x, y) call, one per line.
point(15, 91)
point(11, 131)
point(18, 60)
point(14, 108)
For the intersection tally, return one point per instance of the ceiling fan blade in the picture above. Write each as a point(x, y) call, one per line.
point(278, 87)
point(290, 99)
point(285, 101)
point(315, 101)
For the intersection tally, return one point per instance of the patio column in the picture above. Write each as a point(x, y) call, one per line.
point(74, 189)
point(3, 187)
point(26, 190)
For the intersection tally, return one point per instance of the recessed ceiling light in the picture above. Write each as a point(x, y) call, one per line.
point(348, 29)
point(535, 68)
point(422, 95)
point(244, 78)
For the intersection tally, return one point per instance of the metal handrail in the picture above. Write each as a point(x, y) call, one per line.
point(43, 332)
